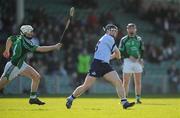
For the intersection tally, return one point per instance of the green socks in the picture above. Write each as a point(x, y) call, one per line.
point(33, 95)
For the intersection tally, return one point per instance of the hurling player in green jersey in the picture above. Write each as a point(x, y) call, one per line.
point(21, 45)
point(131, 48)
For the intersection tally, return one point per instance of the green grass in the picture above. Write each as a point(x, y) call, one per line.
point(89, 108)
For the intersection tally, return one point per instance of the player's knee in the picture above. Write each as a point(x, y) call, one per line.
point(37, 77)
point(125, 81)
point(138, 83)
point(3, 78)
point(3, 82)
point(119, 81)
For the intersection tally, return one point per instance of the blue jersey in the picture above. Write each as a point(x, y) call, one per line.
point(104, 48)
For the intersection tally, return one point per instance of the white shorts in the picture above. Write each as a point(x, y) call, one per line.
point(11, 71)
point(132, 67)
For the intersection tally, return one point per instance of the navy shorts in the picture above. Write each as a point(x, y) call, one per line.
point(99, 68)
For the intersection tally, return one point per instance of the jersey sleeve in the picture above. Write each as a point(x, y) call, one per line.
point(114, 47)
point(34, 47)
point(12, 38)
point(30, 46)
point(111, 44)
point(122, 47)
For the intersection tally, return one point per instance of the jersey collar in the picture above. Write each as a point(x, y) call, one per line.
point(135, 36)
point(109, 35)
point(27, 40)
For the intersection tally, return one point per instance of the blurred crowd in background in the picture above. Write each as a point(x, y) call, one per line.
point(82, 35)
point(173, 73)
point(165, 18)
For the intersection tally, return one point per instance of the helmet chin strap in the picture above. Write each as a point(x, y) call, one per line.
point(28, 37)
point(111, 34)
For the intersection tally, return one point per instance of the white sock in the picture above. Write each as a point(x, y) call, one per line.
point(71, 97)
point(123, 101)
point(33, 96)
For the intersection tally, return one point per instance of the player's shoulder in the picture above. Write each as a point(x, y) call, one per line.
point(27, 42)
point(139, 38)
point(107, 38)
point(124, 38)
point(13, 36)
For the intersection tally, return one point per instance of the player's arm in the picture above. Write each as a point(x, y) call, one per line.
point(122, 47)
point(116, 54)
point(6, 53)
point(49, 48)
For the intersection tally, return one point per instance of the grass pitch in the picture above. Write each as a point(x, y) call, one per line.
point(89, 108)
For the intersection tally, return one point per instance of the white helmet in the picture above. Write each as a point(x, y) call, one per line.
point(26, 29)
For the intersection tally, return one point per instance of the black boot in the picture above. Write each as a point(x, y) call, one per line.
point(36, 101)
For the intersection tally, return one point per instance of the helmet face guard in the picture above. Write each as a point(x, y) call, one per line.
point(110, 27)
point(131, 29)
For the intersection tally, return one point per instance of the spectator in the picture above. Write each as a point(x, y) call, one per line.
point(153, 53)
point(83, 66)
point(163, 16)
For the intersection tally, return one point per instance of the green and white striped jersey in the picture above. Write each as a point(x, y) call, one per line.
point(131, 46)
point(21, 46)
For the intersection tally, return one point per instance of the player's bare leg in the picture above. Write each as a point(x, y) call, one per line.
point(80, 90)
point(114, 79)
point(137, 80)
point(35, 76)
point(87, 84)
point(126, 81)
point(3, 82)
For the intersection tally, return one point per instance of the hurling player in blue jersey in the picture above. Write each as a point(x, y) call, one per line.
point(105, 50)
